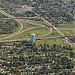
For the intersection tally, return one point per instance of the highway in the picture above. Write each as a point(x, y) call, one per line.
point(49, 24)
point(18, 18)
point(65, 38)
point(20, 31)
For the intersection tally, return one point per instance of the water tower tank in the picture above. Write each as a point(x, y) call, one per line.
point(32, 37)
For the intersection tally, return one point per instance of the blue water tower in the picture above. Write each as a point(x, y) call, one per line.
point(32, 37)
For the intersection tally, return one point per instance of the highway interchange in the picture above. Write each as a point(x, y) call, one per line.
point(22, 31)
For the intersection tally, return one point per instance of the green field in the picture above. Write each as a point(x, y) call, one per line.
point(37, 32)
point(57, 41)
point(69, 26)
point(54, 33)
point(31, 23)
point(26, 25)
point(42, 31)
point(67, 32)
point(35, 22)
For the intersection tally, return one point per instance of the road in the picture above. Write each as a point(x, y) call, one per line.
point(65, 38)
point(49, 24)
point(18, 18)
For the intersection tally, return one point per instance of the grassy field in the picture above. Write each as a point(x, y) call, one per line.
point(67, 32)
point(37, 32)
point(53, 34)
point(73, 49)
point(26, 26)
point(31, 24)
point(69, 26)
point(57, 41)
point(42, 31)
point(35, 22)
